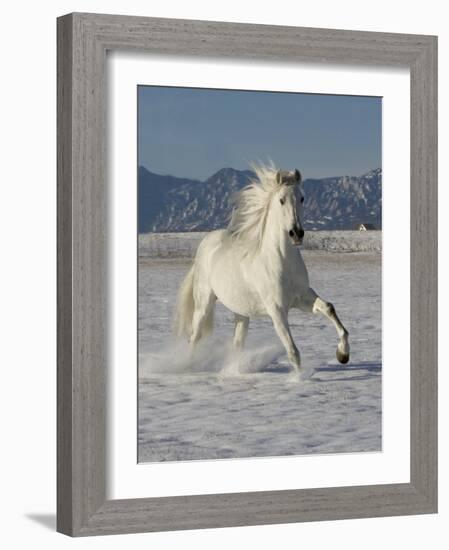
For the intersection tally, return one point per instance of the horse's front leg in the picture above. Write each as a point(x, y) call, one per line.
point(280, 322)
point(312, 302)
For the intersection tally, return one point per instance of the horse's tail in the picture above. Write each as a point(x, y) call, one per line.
point(185, 306)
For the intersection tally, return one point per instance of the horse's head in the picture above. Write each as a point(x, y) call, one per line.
point(287, 204)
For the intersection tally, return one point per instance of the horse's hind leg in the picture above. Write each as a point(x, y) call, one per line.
point(232, 366)
point(312, 302)
point(202, 322)
point(241, 324)
point(240, 331)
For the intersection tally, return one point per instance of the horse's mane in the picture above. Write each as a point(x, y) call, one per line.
point(248, 218)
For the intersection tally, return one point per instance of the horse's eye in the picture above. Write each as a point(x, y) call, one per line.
point(302, 199)
point(282, 201)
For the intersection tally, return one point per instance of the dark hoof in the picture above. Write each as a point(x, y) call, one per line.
point(343, 358)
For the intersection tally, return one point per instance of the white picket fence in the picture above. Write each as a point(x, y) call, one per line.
point(184, 245)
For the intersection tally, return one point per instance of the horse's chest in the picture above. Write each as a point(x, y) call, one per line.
point(282, 286)
point(294, 276)
point(287, 288)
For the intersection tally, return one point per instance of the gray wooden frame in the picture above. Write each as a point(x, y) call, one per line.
point(83, 40)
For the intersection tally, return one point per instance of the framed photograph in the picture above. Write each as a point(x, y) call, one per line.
point(247, 274)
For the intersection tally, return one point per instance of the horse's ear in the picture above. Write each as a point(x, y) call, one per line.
point(279, 177)
point(297, 175)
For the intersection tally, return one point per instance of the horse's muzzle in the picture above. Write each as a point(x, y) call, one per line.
point(297, 235)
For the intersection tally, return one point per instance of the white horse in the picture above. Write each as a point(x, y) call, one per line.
point(254, 267)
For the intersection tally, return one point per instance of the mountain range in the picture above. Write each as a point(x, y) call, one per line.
point(172, 204)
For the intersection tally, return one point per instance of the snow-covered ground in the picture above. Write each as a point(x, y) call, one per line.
point(191, 412)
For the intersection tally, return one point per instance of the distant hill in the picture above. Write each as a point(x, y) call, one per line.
point(170, 204)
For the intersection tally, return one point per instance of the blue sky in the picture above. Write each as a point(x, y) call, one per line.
point(192, 133)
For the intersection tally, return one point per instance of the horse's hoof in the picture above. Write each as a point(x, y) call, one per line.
point(343, 358)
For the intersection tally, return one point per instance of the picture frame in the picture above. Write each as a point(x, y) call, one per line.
point(83, 40)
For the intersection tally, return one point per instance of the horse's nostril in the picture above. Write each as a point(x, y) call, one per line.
point(301, 233)
point(291, 233)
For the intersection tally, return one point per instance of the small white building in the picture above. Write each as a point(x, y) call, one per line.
point(366, 227)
